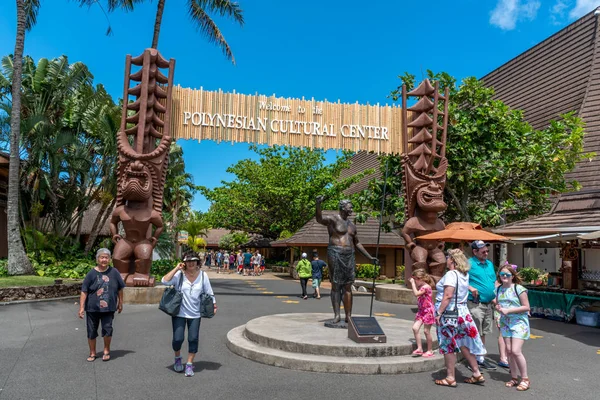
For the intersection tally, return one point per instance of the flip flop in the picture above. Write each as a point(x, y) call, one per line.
point(91, 358)
point(428, 354)
point(106, 357)
point(417, 353)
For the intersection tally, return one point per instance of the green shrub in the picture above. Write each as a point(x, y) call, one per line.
point(3, 267)
point(366, 271)
point(71, 269)
point(529, 274)
point(161, 267)
point(400, 271)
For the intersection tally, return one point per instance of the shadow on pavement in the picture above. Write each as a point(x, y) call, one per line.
point(583, 334)
point(119, 353)
point(200, 366)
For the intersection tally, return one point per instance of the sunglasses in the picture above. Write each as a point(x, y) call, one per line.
point(505, 275)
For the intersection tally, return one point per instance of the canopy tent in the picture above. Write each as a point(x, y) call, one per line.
point(463, 232)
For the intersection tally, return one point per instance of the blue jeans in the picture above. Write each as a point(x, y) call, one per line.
point(193, 325)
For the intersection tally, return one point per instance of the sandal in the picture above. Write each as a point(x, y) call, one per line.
point(475, 380)
point(91, 358)
point(428, 354)
point(106, 357)
point(446, 382)
point(417, 353)
point(524, 385)
point(512, 383)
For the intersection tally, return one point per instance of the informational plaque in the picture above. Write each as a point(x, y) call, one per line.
point(365, 330)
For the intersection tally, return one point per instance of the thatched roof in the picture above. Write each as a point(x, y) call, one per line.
point(315, 234)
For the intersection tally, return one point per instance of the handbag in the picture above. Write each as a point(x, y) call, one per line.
point(450, 317)
point(207, 309)
point(170, 302)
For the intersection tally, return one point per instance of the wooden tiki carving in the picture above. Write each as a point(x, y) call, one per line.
point(143, 143)
point(425, 167)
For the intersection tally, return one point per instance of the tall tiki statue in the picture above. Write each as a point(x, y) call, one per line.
point(425, 166)
point(143, 144)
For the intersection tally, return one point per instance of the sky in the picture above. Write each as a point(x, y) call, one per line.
point(348, 50)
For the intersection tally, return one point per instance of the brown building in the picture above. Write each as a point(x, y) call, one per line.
point(559, 75)
point(314, 236)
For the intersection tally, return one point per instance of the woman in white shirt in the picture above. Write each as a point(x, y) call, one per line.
point(452, 294)
point(195, 282)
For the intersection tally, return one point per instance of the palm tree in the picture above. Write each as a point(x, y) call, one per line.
point(18, 263)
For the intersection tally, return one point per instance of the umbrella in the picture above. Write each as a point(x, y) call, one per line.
point(463, 232)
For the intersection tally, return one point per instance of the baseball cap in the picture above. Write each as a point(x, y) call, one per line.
point(479, 244)
point(304, 255)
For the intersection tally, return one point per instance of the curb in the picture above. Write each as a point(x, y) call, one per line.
point(8, 303)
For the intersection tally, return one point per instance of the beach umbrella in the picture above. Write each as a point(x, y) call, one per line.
point(463, 232)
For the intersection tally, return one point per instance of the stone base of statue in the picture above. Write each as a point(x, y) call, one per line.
point(391, 293)
point(143, 295)
point(302, 342)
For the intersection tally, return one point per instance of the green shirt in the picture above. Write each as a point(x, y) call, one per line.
point(482, 277)
point(304, 268)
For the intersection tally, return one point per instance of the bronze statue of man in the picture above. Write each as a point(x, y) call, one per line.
point(343, 240)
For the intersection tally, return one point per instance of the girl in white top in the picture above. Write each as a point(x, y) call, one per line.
point(195, 282)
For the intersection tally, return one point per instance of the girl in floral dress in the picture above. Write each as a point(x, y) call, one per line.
point(421, 286)
point(513, 305)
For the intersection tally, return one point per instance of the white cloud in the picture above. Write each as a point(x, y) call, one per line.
point(558, 11)
point(508, 12)
point(583, 7)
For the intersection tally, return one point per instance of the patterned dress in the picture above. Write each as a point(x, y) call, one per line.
point(426, 310)
point(513, 325)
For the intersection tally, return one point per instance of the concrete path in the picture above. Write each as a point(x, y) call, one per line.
point(43, 349)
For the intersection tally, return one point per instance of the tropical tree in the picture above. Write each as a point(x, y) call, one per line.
point(18, 263)
point(277, 192)
point(233, 240)
point(196, 227)
point(500, 169)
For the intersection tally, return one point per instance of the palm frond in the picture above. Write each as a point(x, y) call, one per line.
point(32, 8)
point(209, 28)
point(225, 8)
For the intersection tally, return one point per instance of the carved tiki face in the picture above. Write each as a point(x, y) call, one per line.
point(137, 185)
point(425, 192)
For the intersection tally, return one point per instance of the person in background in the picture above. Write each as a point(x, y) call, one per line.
point(256, 263)
point(232, 264)
point(225, 262)
point(304, 269)
point(513, 305)
point(195, 282)
point(317, 274)
point(422, 284)
point(219, 261)
point(481, 286)
point(240, 262)
point(247, 262)
point(464, 337)
point(101, 295)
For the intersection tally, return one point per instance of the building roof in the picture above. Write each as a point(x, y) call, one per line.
point(315, 234)
point(87, 222)
point(573, 213)
point(214, 235)
point(360, 162)
point(559, 75)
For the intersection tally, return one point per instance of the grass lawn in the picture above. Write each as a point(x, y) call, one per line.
point(30, 280)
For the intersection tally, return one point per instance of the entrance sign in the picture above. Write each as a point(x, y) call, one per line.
point(233, 117)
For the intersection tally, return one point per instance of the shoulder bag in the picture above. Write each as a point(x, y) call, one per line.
point(170, 302)
point(207, 309)
point(450, 317)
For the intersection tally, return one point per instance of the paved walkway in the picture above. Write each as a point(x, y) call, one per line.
point(43, 349)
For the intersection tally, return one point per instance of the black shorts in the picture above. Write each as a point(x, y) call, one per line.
point(94, 319)
point(247, 266)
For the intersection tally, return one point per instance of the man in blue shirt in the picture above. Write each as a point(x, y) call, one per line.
point(481, 285)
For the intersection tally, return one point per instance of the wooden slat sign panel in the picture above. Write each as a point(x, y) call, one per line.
point(233, 117)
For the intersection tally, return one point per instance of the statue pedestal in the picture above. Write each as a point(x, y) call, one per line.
point(301, 342)
point(143, 295)
point(391, 293)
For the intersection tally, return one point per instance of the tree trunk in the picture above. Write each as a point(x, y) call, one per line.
point(503, 258)
point(99, 224)
point(18, 263)
point(157, 22)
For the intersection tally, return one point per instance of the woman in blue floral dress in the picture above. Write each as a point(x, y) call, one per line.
point(452, 294)
point(513, 305)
